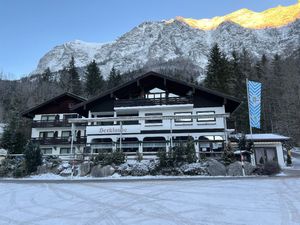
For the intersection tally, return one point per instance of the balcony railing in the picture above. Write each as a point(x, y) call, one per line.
point(58, 141)
point(54, 123)
point(152, 101)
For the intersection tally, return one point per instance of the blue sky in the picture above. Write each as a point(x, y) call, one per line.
point(30, 28)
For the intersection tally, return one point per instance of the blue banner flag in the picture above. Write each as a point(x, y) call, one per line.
point(254, 103)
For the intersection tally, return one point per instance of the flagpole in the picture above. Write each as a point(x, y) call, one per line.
point(247, 81)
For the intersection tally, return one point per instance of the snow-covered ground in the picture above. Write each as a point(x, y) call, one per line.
point(204, 202)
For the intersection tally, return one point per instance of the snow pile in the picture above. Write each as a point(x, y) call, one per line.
point(46, 176)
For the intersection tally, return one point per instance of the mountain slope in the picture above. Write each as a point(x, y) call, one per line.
point(158, 42)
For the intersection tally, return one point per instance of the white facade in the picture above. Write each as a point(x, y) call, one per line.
point(161, 132)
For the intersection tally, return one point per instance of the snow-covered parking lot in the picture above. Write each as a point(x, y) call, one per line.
point(249, 201)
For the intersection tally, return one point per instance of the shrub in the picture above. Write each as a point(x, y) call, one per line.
point(33, 157)
point(118, 157)
point(271, 168)
point(228, 156)
point(104, 158)
point(178, 155)
point(162, 156)
point(19, 172)
point(190, 152)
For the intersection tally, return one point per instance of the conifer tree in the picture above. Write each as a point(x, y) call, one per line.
point(218, 71)
point(114, 78)
point(33, 157)
point(13, 139)
point(212, 68)
point(75, 85)
point(94, 79)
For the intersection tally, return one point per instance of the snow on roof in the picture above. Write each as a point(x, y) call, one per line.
point(270, 136)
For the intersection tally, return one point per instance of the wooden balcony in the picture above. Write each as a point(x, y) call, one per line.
point(152, 101)
point(54, 123)
point(58, 141)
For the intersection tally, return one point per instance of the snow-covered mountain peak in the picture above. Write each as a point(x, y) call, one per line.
point(158, 43)
point(271, 18)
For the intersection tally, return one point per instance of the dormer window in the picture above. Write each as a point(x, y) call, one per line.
point(159, 93)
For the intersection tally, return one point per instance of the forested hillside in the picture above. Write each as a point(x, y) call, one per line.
point(279, 75)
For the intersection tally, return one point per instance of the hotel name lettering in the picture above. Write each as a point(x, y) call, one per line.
point(112, 130)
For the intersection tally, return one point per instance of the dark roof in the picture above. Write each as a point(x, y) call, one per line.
point(231, 101)
point(32, 111)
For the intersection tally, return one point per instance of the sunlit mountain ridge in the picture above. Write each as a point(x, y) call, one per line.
point(271, 18)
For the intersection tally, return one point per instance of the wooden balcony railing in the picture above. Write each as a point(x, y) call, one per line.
point(54, 123)
point(152, 101)
point(58, 141)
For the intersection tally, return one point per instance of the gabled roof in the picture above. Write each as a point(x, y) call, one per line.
point(32, 111)
point(231, 102)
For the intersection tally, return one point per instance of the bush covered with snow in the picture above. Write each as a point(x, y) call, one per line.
point(13, 167)
point(194, 169)
point(116, 158)
point(139, 169)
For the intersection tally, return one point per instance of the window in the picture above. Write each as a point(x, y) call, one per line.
point(206, 119)
point(183, 120)
point(70, 116)
point(66, 150)
point(263, 155)
point(155, 121)
point(46, 151)
point(66, 134)
point(49, 134)
point(48, 118)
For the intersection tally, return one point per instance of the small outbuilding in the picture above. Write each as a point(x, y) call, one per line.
point(266, 147)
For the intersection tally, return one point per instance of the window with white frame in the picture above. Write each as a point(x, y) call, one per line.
point(153, 121)
point(49, 134)
point(183, 120)
point(48, 117)
point(66, 134)
point(206, 119)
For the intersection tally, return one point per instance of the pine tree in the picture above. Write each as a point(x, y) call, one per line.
point(190, 152)
point(276, 87)
point(114, 78)
point(94, 79)
point(214, 62)
point(218, 71)
point(13, 139)
point(238, 89)
point(69, 78)
point(33, 157)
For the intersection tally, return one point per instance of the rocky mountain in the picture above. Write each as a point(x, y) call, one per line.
point(275, 31)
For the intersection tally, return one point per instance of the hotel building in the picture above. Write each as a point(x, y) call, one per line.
point(149, 113)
